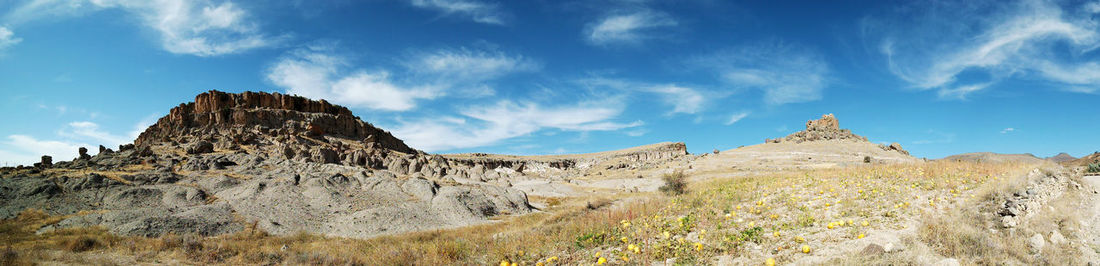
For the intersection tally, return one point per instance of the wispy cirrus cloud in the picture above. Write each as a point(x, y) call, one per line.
point(487, 125)
point(478, 11)
point(627, 27)
point(785, 73)
point(950, 49)
point(737, 117)
point(194, 27)
point(682, 99)
point(467, 71)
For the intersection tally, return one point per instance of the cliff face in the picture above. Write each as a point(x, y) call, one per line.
point(216, 114)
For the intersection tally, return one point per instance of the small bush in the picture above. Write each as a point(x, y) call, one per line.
point(82, 243)
point(1094, 168)
point(866, 159)
point(8, 256)
point(675, 183)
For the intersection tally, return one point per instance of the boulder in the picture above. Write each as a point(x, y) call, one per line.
point(1036, 242)
point(324, 155)
point(200, 147)
point(46, 162)
point(83, 153)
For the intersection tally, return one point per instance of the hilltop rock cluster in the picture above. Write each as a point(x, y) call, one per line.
point(828, 128)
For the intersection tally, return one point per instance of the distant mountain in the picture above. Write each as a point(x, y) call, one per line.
point(1061, 157)
point(989, 157)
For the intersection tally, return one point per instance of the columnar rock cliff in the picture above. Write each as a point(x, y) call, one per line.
point(244, 116)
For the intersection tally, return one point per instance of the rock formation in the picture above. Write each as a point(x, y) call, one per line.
point(242, 117)
point(828, 128)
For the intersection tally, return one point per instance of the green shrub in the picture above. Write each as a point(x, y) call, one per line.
point(1094, 168)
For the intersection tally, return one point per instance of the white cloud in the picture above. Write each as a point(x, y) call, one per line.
point(785, 73)
point(478, 11)
point(195, 27)
point(949, 49)
point(737, 117)
point(7, 38)
point(962, 91)
point(487, 125)
point(141, 126)
point(90, 130)
point(319, 75)
point(1006, 130)
point(637, 132)
point(684, 100)
point(627, 28)
point(26, 150)
point(469, 65)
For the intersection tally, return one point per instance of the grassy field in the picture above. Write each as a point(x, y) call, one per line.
point(801, 216)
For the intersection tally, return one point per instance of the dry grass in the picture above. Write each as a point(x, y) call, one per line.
point(114, 174)
point(777, 212)
point(972, 233)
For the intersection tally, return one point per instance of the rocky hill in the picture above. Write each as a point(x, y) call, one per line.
point(285, 164)
point(1093, 158)
point(1062, 157)
point(828, 128)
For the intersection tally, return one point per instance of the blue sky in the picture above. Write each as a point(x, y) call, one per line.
point(548, 77)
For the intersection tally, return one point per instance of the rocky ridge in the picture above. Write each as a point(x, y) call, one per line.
point(287, 164)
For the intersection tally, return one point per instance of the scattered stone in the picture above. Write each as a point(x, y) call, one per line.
point(1056, 237)
point(872, 250)
point(948, 262)
point(1036, 242)
point(1008, 221)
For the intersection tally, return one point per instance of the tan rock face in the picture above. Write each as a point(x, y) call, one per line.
point(826, 123)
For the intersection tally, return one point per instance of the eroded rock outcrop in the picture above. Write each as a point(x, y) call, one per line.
point(828, 128)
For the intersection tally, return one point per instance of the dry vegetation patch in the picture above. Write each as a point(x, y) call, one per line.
point(812, 216)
